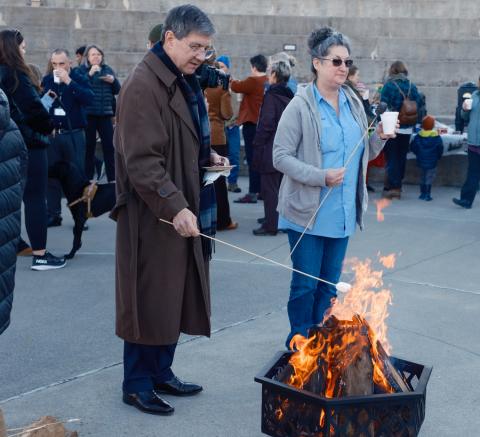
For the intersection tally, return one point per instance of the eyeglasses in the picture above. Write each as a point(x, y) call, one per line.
point(198, 48)
point(337, 62)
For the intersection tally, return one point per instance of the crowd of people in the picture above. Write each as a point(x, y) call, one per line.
point(308, 149)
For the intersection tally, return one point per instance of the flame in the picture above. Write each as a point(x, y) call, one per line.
point(337, 344)
point(381, 204)
point(388, 261)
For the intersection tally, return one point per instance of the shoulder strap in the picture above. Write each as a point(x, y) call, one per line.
point(399, 89)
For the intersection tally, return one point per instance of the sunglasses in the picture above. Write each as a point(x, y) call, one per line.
point(337, 62)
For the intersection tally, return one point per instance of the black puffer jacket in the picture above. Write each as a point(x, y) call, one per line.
point(104, 101)
point(26, 108)
point(13, 164)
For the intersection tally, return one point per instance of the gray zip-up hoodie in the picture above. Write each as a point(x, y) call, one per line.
point(297, 154)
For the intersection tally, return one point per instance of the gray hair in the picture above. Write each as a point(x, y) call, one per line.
point(185, 19)
point(60, 51)
point(283, 56)
point(322, 39)
point(85, 54)
point(282, 71)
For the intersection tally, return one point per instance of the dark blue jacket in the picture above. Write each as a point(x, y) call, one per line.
point(392, 96)
point(428, 147)
point(13, 165)
point(26, 108)
point(104, 92)
point(75, 97)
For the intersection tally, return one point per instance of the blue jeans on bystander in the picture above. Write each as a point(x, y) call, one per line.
point(309, 299)
point(233, 142)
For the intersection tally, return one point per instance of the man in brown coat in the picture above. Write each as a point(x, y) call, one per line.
point(162, 144)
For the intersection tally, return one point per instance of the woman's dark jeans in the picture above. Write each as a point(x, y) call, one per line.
point(102, 125)
point(470, 187)
point(396, 150)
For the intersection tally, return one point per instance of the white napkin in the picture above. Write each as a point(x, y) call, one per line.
point(211, 176)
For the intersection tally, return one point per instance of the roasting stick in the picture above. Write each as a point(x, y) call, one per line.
point(379, 111)
point(340, 286)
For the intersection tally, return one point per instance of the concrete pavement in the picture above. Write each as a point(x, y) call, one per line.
point(60, 355)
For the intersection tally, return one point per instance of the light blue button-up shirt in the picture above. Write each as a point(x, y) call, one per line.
point(340, 134)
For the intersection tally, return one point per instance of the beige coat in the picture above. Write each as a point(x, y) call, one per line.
point(162, 284)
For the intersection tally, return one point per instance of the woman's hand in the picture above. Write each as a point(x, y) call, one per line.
point(383, 136)
point(216, 159)
point(334, 176)
point(108, 78)
point(94, 69)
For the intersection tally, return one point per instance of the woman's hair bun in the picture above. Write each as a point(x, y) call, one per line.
point(318, 36)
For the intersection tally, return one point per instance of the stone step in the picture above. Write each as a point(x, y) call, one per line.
point(328, 8)
point(428, 28)
point(241, 44)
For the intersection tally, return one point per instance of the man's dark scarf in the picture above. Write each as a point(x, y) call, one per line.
point(196, 104)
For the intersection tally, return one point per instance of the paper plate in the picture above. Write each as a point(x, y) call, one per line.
point(219, 167)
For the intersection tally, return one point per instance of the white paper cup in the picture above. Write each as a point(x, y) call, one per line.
point(389, 122)
point(56, 79)
point(468, 104)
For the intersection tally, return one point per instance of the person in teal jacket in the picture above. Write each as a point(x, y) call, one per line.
point(471, 114)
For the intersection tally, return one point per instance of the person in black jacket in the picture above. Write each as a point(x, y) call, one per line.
point(13, 173)
point(34, 122)
point(101, 110)
point(276, 99)
point(72, 93)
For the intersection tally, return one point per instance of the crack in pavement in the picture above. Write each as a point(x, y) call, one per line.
point(112, 365)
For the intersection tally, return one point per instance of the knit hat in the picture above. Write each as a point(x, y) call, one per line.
point(225, 60)
point(155, 34)
point(428, 122)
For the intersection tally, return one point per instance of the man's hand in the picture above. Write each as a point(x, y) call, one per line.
point(216, 159)
point(185, 223)
point(334, 176)
point(63, 76)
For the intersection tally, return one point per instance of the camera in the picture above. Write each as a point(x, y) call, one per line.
point(211, 77)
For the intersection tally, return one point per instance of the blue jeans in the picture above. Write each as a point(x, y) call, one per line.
point(309, 299)
point(233, 141)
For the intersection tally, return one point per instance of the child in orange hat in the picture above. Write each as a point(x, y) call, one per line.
point(428, 147)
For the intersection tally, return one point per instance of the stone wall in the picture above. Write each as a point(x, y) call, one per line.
point(439, 40)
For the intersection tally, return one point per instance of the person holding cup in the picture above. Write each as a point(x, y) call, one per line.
point(471, 114)
point(105, 87)
point(397, 88)
point(322, 146)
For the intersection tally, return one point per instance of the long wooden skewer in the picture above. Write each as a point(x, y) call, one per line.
point(341, 286)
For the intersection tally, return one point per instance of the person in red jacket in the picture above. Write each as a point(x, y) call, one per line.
point(253, 89)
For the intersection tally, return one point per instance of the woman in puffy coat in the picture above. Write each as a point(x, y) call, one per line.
point(105, 86)
point(13, 167)
point(276, 99)
point(27, 111)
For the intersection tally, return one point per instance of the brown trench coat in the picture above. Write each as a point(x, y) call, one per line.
point(162, 283)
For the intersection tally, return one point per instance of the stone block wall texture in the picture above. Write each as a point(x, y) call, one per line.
point(438, 40)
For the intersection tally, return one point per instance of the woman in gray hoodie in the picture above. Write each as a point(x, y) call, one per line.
point(321, 145)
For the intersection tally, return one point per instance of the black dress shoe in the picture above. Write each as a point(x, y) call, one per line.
point(461, 202)
point(148, 402)
point(261, 231)
point(54, 221)
point(177, 387)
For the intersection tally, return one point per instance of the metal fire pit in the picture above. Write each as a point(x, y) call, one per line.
point(290, 412)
